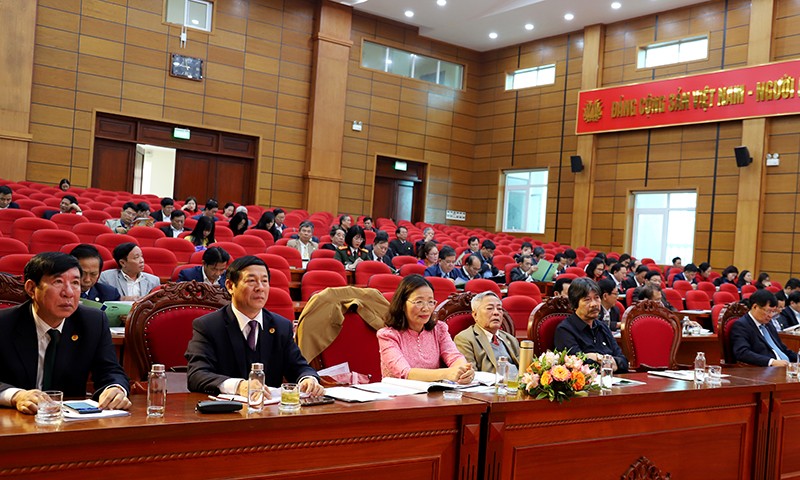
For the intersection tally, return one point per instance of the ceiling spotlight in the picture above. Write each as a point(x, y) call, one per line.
point(528, 26)
point(568, 16)
point(493, 35)
point(409, 13)
point(441, 3)
point(616, 5)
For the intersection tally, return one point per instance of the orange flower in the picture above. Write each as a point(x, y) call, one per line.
point(546, 379)
point(579, 379)
point(560, 373)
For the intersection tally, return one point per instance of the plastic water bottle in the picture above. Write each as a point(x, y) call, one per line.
point(700, 367)
point(156, 391)
point(685, 323)
point(502, 375)
point(255, 388)
point(607, 372)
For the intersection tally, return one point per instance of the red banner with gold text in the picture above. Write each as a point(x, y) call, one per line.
point(760, 91)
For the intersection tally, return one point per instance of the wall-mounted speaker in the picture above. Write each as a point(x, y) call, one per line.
point(576, 163)
point(743, 157)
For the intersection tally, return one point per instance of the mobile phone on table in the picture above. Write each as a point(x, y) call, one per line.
point(318, 400)
point(82, 407)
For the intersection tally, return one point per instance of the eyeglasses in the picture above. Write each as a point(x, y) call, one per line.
point(423, 303)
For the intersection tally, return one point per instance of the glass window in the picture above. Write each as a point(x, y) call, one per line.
point(531, 77)
point(663, 225)
point(190, 13)
point(525, 201)
point(411, 65)
point(668, 53)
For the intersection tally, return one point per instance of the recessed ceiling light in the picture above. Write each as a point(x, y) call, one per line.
point(493, 35)
point(441, 3)
point(568, 16)
point(616, 5)
point(409, 13)
point(528, 26)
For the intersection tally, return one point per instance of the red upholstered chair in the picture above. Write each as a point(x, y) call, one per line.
point(682, 286)
point(9, 215)
point(328, 264)
point(527, 289)
point(716, 312)
point(543, 322)
point(500, 261)
point(66, 221)
point(730, 288)
point(182, 249)
point(730, 314)
point(264, 235)
point(322, 253)
point(40, 210)
point(88, 232)
point(457, 312)
point(479, 285)
point(278, 280)
point(578, 272)
point(179, 268)
point(50, 240)
point(774, 288)
point(111, 240)
point(276, 262)
point(146, 236)
point(748, 290)
point(14, 264)
point(673, 297)
point(400, 260)
point(442, 288)
point(10, 246)
point(159, 325)
point(279, 300)
point(161, 260)
point(222, 233)
point(650, 336)
point(519, 308)
point(697, 300)
point(386, 283)
point(707, 287)
point(96, 216)
point(24, 227)
point(28, 203)
point(365, 270)
point(724, 297)
point(410, 269)
point(317, 280)
point(12, 291)
point(105, 254)
point(252, 245)
point(292, 255)
point(233, 249)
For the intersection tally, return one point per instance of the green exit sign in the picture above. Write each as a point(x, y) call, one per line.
point(182, 133)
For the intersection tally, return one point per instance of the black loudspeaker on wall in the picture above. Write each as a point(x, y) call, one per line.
point(743, 157)
point(576, 163)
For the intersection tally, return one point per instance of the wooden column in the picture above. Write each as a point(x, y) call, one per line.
point(593, 46)
point(17, 29)
point(326, 120)
point(750, 198)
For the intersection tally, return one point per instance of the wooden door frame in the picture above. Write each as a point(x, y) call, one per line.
point(424, 188)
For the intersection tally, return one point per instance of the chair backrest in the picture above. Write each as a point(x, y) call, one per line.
point(177, 271)
point(384, 282)
point(88, 232)
point(442, 288)
point(292, 255)
point(66, 221)
point(14, 264)
point(9, 215)
point(252, 245)
point(96, 216)
point(50, 240)
point(577, 271)
point(410, 269)
point(651, 335)
point(264, 235)
point(182, 249)
point(543, 322)
point(673, 297)
point(279, 300)
point(11, 291)
point(146, 236)
point(9, 246)
point(724, 297)
point(727, 317)
point(328, 264)
point(233, 249)
point(707, 287)
point(527, 289)
point(456, 311)
point(697, 300)
point(356, 344)
point(365, 271)
point(319, 280)
point(731, 288)
point(716, 311)
point(748, 289)
point(479, 285)
point(682, 286)
point(322, 253)
point(276, 262)
point(111, 240)
point(519, 308)
point(400, 260)
point(161, 260)
point(159, 324)
point(23, 228)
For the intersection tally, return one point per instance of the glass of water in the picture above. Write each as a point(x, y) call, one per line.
point(49, 408)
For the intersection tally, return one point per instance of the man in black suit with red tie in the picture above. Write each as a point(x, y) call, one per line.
point(753, 337)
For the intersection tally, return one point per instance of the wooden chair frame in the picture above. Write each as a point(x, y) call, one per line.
point(729, 313)
point(12, 291)
point(551, 306)
point(461, 302)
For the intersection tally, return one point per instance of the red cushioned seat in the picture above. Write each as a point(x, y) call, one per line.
point(673, 297)
point(276, 262)
point(322, 253)
point(329, 264)
point(264, 235)
point(50, 240)
point(11, 246)
point(365, 270)
point(319, 280)
point(519, 308)
point(707, 287)
point(543, 322)
point(292, 255)
point(88, 232)
point(697, 300)
point(66, 221)
point(411, 269)
point(14, 264)
point(479, 285)
point(9, 215)
point(235, 250)
point(724, 297)
point(111, 240)
point(23, 228)
point(385, 283)
point(279, 301)
point(399, 260)
point(182, 249)
point(442, 288)
point(251, 244)
point(650, 336)
point(528, 289)
point(161, 260)
point(146, 236)
point(356, 335)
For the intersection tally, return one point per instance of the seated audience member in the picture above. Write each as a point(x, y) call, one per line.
point(537, 255)
point(473, 245)
point(482, 343)
point(638, 279)
point(581, 333)
point(428, 254)
point(525, 249)
point(688, 274)
point(279, 215)
point(337, 239)
point(215, 262)
point(791, 285)
point(618, 273)
point(5, 198)
point(401, 245)
point(571, 256)
point(238, 223)
point(427, 236)
point(745, 278)
point(413, 344)
point(167, 207)
point(219, 362)
point(130, 279)
point(524, 270)
point(444, 265)
point(469, 271)
point(345, 221)
point(561, 263)
point(50, 342)
point(368, 225)
point(653, 280)
point(91, 264)
point(596, 270)
point(704, 271)
point(228, 210)
point(609, 311)
point(64, 184)
point(753, 337)
point(210, 212)
point(676, 262)
point(485, 254)
point(790, 315)
point(625, 259)
point(728, 276)
point(561, 286)
point(267, 222)
point(190, 206)
point(379, 250)
point(125, 220)
point(304, 243)
point(763, 281)
point(143, 218)
point(352, 253)
point(69, 204)
point(203, 233)
point(176, 221)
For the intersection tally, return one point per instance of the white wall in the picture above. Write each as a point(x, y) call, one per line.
point(158, 171)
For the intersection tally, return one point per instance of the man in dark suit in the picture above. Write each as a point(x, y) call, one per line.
point(790, 315)
point(401, 245)
point(225, 343)
point(753, 337)
point(379, 251)
point(215, 261)
point(609, 313)
point(91, 265)
point(485, 255)
point(69, 204)
point(73, 340)
point(637, 280)
point(5, 198)
point(167, 207)
point(445, 267)
point(524, 270)
point(177, 218)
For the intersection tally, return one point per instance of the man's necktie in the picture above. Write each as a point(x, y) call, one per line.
point(251, 337)
point(50, 359)
point(495, 341)
point(772, 345)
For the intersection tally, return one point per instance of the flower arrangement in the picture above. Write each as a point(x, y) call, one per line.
point(558, 376)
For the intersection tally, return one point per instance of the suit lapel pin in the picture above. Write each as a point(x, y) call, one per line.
point(272, 330)
point(74, 338)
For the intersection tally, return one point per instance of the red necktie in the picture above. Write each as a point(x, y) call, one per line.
point(495, 341)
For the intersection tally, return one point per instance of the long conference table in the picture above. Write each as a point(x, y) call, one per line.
point(744, 428)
